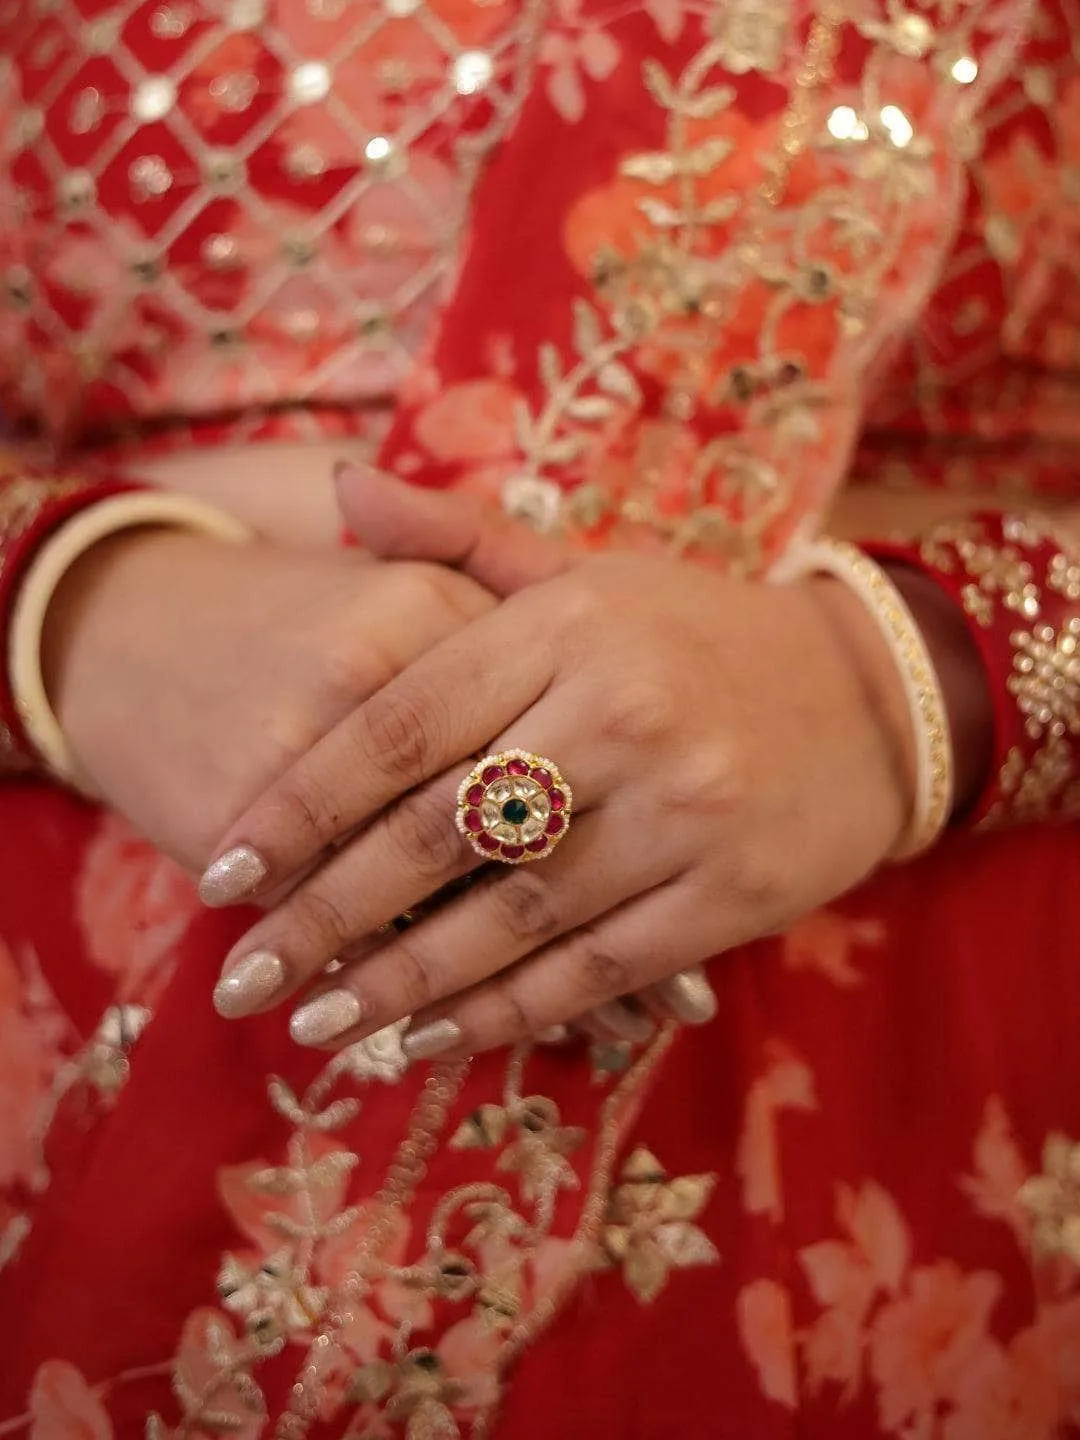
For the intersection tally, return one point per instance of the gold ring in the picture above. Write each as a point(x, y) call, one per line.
point(514, 807)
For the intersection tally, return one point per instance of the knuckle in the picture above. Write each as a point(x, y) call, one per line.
point(518, 1019)
point(306, 809)
point(639, 713)
point(415, 974)
point(456, 594)
point(397, 731)
point(603, 973)
point(757, 885)
point(319, 920)
point(708, 783)
point(525, 908)
point(421, 832)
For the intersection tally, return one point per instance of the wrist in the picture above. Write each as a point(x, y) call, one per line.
point(884, 701)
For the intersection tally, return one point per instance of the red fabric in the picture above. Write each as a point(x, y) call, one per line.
point(829, 1214)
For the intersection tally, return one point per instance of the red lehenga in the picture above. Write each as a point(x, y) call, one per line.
point(648, 271)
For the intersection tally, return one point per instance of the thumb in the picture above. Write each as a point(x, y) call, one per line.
point(399, 521)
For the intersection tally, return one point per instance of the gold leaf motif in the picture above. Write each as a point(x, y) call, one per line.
point(649, 1229)
point(588, 335)
point(654, 167)
point(484, 1129)
point(590, 408)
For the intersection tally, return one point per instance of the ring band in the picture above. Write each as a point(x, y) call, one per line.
point(514, 807)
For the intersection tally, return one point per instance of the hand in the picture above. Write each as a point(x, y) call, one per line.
point(188, 674)
point(739, 754)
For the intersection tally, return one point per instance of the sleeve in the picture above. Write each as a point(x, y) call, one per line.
point(704, 240)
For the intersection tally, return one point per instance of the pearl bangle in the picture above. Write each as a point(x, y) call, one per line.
point(933, 800)
point(37, 588)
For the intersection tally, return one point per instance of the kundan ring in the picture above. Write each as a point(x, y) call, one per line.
point(514, 807)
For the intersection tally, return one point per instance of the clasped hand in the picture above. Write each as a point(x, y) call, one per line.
point(735, 761)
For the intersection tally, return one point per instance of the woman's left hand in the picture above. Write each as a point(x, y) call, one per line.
point(739, 753)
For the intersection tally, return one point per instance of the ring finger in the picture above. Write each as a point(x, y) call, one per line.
point(505, 917)
point(406, 855)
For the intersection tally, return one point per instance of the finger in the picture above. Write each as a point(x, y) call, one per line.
point(399, 521)
point(438, 713)
point(686, 996)
point(628, 948)
point(506, 916)
point(410, 852)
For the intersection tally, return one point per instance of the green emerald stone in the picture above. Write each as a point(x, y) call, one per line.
point(515, 812)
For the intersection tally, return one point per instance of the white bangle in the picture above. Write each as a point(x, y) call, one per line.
point(933, 800)
point(44, 574)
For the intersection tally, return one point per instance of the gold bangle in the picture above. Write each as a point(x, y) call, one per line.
point(933, 799)
point(37, 588)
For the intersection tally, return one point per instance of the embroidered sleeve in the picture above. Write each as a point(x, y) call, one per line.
point(709, 229)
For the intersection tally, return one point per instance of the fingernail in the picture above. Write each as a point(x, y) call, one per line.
point(627, 1024)
point(553, 1035)
point(233, 876)
point(325, 1017)
point(249, 985)
point(689, 996)
point(431, 1039)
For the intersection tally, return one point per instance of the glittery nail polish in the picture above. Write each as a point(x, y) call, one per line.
point(627, 1024)
point(431, 1039)
point(249, 985)
point(232, 876)
point(690, 996)
point(325, 1017)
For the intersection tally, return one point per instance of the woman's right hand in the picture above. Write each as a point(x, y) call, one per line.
point(188, 674)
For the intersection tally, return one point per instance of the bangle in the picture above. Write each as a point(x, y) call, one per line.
point(39, 583)
point(933, 799)
point(1017, 585)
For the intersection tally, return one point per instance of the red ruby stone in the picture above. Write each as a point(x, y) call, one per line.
point(537, 846)
point(555, 825)
point(473, 823)
point(492, 773)
point(544, 778)
point(517, 767)
point(513, 852)
point(558, 800)
point(475, 794)
point(487, 842)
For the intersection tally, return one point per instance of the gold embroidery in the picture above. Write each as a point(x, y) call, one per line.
point(478, 1253)
point(1053, 1201)
point(665, 310)
point(1045, 682)
point(648, 1228)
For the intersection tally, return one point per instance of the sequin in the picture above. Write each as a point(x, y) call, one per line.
point(86, 111)
point(378, 149)
point(170, 22)
point(309, 83)
point(153, 98)
point(234, 91)
point(150, 177)
point(471, 71)
point(220, 251)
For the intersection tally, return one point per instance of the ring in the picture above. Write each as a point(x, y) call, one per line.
point(514, 807)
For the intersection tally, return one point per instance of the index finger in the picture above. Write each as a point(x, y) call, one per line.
point(442, 709)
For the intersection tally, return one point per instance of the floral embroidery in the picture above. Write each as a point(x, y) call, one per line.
point(134, 906)
point(824, 940)
point(1053, 1201)
point(648, 1227)
point(787, 1083)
